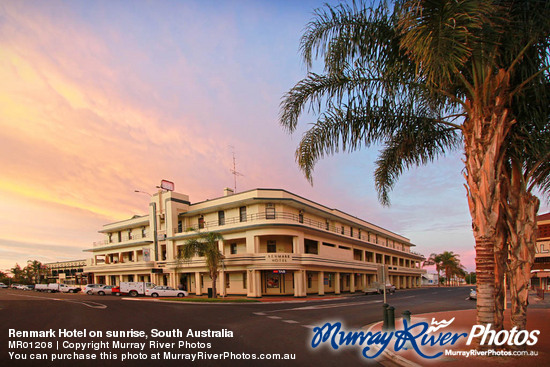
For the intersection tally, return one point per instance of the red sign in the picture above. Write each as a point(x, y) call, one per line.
point(167, 185)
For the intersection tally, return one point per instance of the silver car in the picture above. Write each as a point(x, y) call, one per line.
point(165, 291)
point(106, 289)
point(88, 289)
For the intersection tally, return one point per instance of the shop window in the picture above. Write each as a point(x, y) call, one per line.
point(242, 213)
point(271, 246)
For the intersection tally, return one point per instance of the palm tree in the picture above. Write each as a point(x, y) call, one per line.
point(35, 270)
point(450, 263)
point(434, 259)
point(205, 245)
point(422, 78)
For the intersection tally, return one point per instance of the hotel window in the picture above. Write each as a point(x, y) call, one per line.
point(201, 222)
point(309, 280)
point(110, 235)
point(351, 231)
point(129, 234)
point(327, 225)
point(143, 233)
point(311, 247)
point(227, 281)
point(242, 213)
point(244, 280)
point(270, 211)
point(119, 236)
point(221, 218)
point(233, 248)
point(342, 230)
point(271, 246)
point(301, 217)
point(180, 226)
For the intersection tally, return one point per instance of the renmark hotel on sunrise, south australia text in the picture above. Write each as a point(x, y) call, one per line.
point(275, 243)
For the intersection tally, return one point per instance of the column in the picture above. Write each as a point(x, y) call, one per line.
point(174, 281)
point(135, 256)
point(299, 286)
point(321, 282)
point(363, 281)
point(352, 283)
point(198, 290)
point(251, 286)
point(258, 282)
point(298, 244)
point(337, 283)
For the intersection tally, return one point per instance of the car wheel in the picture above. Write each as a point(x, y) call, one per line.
point(116, 294)
point(154, 295)
point(89, 293)
point(133, 293)
point(180, 295)
point(101, 293)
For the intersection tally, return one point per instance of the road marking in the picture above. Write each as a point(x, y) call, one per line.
point(290, 321)
point(400, 298)
point(332, 305)
point(309, 326)
point(85, 303)
point(259, 313)
point(275, 317)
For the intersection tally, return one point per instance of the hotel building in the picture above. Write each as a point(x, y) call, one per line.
point(540, 272)
point(275, 243)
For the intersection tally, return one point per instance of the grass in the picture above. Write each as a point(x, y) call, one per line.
point(212, 300)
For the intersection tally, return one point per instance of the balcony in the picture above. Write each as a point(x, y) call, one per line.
point(290, 218)
point(135, 237)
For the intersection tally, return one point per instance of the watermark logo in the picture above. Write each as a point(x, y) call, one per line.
point(419, 337)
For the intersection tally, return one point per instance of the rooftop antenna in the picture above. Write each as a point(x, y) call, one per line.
point(234, 170)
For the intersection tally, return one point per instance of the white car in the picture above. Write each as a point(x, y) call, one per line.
point(473, 294)
point(165, 291)
point(106, 289)
point(88, 289)
point(2, 285)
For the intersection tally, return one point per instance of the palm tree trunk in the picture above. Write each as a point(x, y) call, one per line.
point(522, 226)
point(483, 148)
point(214, 277)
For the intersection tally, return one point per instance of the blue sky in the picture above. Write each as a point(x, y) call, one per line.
point(102, 98)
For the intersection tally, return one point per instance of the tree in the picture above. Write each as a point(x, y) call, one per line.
point(18, 273)
point(434, 259)
point(205, 245)
point(422, 78)
point(35, 270)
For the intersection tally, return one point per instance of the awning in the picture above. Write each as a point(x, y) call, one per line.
point(542, 274)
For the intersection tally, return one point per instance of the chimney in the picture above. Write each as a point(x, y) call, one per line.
point(227, 191)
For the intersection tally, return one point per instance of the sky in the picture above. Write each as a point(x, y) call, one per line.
point(99, 99)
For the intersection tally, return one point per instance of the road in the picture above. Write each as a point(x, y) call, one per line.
point(257, 328)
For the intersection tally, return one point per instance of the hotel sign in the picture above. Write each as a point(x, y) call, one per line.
point(543, 247)
point(278, 258)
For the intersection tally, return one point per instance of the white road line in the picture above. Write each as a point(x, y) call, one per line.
point(259, 313)
point(85, 303)
point(332, 305)
point(275, 317)
point(308, 326)
point(290, 321)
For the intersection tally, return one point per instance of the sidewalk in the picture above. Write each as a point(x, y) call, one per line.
point(537, 319)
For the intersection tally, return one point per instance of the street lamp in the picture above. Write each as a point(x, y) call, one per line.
point(143, 192)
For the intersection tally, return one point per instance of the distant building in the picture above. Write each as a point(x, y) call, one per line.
point(275, 243)
point(68, 272)
point(429, 279)
point(540, 272)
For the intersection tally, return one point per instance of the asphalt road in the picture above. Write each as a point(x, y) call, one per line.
point(258, 328)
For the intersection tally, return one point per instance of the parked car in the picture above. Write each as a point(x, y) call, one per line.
point(2, 285)
point(106, 289)
point(115, 290)
point(29, 287)
point(165, 291)
point(473, 294)
point(378, 288)
point(88, 288)
point(15, 286)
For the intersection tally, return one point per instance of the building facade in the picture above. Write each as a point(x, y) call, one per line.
point(275, 243)
point(68, 272)
point(540, 272)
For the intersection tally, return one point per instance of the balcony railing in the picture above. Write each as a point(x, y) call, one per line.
point(293, 218)
point(123, 238)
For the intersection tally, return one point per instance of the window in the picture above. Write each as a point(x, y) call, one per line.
point(201, 222)
point(351, 231)
point(311, 247)
point(342, 231)
point(129, 234)
point(242, 213)
point(180, 226)
point(144, 234)
point(327, 225)
point(301, 217)
point(221, 218)
point(119, 236)
point(110, 235)
point(244, 280)
point(227, 281)
point(233, 248)
point(269, 211)
point(328, 244)
point(271, 246)
point(309, 280)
